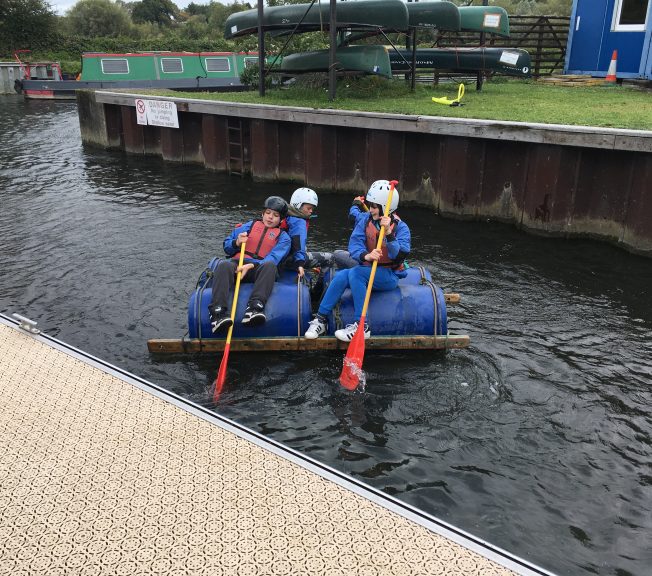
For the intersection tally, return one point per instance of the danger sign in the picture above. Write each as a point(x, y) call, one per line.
point(157, 113)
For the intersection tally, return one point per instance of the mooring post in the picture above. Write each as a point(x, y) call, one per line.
point(332, 55)
point(261, 51)
point(478, 82)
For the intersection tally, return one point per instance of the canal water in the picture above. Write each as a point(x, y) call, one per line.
point(537, 438)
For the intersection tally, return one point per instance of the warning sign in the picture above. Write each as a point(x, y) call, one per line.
point(157, 113)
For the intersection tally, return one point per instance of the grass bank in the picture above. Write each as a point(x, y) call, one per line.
point(516, 100)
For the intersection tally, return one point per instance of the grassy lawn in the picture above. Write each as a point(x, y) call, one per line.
point(517, 100)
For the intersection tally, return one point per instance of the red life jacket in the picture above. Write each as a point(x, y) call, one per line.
point(371, 233)
point(260, 241)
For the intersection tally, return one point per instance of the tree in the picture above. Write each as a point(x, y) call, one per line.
point(98, 18)
point(162, 12)
point(25, 24)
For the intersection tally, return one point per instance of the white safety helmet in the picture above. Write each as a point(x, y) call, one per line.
point(378, 193)
point(303, 196)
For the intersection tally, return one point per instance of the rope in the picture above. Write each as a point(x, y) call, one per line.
point(433, 290)
point(209, 276)
point(298, 307)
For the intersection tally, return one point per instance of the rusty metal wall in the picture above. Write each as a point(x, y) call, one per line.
point(551, 188)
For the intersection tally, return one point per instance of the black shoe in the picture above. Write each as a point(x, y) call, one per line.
point(254, 314)
point(220, 320)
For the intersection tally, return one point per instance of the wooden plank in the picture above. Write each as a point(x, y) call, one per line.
point(183, 346)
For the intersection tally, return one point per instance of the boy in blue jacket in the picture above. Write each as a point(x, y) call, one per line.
point(266, 246)
point(302, 204)
point(362, 247)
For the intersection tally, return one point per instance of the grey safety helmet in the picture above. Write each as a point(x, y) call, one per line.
point(277, 204)
point(303, 196)
point(378, 194)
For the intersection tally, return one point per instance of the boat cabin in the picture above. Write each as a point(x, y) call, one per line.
point(598, 27)
point(98, 66)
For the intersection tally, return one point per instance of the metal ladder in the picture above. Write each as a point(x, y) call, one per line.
point(236, 146)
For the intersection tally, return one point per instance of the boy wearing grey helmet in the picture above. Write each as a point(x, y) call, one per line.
point(266, 245)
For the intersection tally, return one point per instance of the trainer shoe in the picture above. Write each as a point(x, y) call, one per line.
point(346, 334)
point(220, 320)
point(254, 314)
point(316, 327)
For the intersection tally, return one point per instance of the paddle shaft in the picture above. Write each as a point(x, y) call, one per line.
point(221, 375)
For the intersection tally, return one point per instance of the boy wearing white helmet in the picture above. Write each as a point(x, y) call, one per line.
point(303, 203)
point(362, 247)
point(265, 247)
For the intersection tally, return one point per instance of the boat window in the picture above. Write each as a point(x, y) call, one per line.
point(250, 62)
point(218, 65)
point(171, 65)
point(630, 15)
point(115, 66)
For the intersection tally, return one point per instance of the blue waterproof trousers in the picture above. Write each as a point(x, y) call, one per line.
point(357, 279)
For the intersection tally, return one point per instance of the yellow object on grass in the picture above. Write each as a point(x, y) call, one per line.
point(448, 102)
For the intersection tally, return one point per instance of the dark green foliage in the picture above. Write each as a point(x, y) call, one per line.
point(98, 18)
point(161, 12)
point(250, 76)
point(25, 24)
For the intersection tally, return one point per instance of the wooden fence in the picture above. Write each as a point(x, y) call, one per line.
point(544, 37)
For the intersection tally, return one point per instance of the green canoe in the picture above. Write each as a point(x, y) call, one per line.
point(510, 61)
point(356, 15)
point(370, 59)
point(439, 14)
point(491, 19)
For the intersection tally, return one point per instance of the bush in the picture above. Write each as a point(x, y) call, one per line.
point(251, 74)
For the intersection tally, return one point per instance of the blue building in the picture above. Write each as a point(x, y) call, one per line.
point(598, 27)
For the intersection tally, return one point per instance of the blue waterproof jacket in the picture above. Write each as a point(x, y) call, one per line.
point(280, 251)
point(298, 232)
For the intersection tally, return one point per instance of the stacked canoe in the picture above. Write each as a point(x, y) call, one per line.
point(359, 18)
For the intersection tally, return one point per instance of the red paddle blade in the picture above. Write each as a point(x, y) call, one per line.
point(221, 375)
point(352, 369)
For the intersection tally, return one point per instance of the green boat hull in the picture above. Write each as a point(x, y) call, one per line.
point(492, 19)
point(356, 15)
point(440, 15)
point(369, 59)
point(510, 61)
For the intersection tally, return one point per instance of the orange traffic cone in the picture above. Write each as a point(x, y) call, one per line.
point(611, 73)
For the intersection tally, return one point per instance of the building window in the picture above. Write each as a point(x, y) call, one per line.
point(218, 65)
point(115, 66)
point(630, 15)
point(171, 65)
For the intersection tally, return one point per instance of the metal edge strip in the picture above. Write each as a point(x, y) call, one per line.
point(432, 523)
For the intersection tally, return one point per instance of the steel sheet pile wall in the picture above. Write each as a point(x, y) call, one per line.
point(559, 180)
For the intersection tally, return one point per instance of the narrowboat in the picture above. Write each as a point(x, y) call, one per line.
point(412, 316)
point(187, 71)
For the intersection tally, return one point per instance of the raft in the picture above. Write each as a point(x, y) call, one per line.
point(412, 316)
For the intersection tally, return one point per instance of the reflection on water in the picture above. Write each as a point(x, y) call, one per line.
point(537, 438)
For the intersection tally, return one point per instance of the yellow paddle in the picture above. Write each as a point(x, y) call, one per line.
point(352, 369)
point(221, 375)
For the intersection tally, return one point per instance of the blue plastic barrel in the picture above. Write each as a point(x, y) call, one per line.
point(415, 307)
point(287, 310)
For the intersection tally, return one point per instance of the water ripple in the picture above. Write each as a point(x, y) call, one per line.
point(538, 438)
